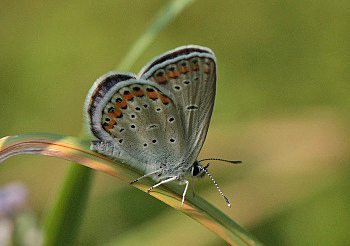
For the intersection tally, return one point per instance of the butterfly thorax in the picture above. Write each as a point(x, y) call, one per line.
point(167, 170)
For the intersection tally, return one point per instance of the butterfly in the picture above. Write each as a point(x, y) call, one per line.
point(157, 121)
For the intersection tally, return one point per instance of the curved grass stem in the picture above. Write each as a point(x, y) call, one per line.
point(78, 150)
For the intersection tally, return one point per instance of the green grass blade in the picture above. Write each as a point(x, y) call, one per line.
point(164, 17)
point(63, 222)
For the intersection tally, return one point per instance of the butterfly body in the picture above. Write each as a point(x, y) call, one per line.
point(156, 121)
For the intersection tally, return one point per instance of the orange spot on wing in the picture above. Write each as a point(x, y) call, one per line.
point(122, 104)
point(110, 125)
point(139, 93)
point(164, 99)
point(207, 70)
point(128, 97)
point(173, 74)
point(152, 95)
point(115, 114)
point(195, 67)
point(184, 70)
point(162, 79)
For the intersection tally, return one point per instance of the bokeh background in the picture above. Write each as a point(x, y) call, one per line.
point(282, 106)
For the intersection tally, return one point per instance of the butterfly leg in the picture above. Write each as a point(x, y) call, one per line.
point(185, 191)
point(146, 175)
point(169, 180)
point(162, 182)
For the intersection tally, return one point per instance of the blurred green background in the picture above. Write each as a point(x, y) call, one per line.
point(283, 107)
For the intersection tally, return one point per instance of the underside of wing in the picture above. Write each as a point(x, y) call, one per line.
point(139, 117)
point(189, 72)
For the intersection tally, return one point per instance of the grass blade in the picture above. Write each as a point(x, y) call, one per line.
point(78, 150)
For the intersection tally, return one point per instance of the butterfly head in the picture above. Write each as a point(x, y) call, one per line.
point(197, 170)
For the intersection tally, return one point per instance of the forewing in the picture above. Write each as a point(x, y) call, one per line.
point(189, 72)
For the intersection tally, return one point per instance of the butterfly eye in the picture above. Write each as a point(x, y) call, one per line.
point(195, 170)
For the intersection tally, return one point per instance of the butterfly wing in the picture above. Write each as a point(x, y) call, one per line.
point(189, 72)
point(139, 120)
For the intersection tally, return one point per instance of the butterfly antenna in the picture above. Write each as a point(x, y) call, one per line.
point(219, 159)
point(216, 184)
